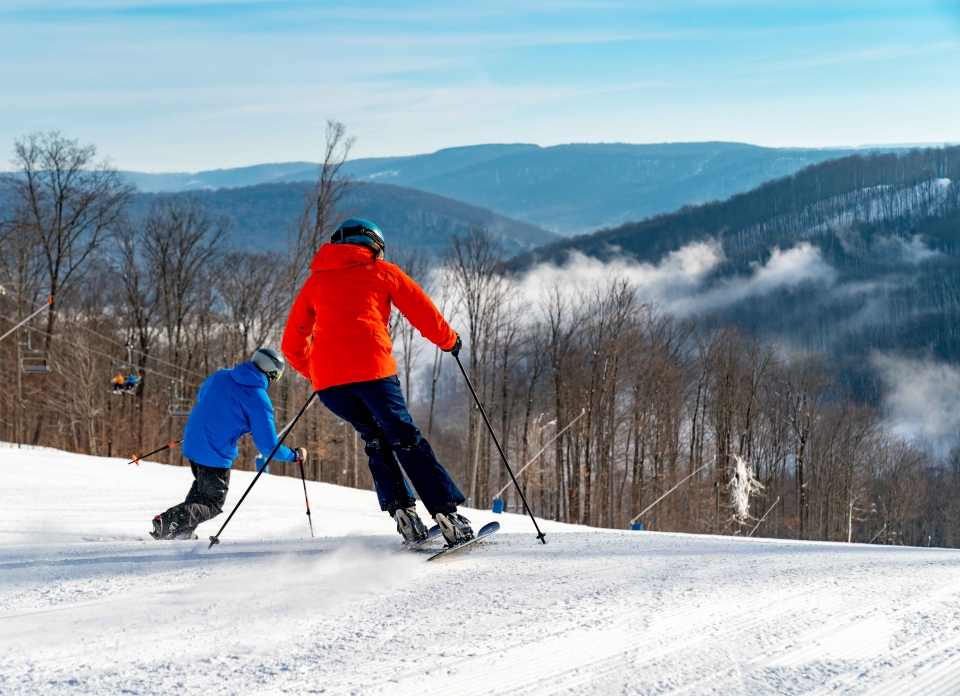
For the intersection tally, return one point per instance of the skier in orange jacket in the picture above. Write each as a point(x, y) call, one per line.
point(337, 337)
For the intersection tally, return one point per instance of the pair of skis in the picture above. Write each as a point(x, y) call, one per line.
point(434, 532)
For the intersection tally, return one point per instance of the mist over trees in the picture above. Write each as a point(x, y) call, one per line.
point(885, 225)
point(612, 398)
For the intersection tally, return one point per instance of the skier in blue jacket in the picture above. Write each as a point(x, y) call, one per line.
point(230, 403)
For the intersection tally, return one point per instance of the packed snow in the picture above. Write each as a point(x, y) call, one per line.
point(89, 603)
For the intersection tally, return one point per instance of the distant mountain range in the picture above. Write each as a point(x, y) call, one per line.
point(567, 189)
point(262, 215)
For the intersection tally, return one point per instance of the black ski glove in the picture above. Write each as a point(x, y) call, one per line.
point(455, 351)
point(300, 454)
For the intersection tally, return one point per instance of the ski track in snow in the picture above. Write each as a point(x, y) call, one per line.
point(593, 612)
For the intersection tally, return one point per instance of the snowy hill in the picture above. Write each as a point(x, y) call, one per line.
point(272, 611)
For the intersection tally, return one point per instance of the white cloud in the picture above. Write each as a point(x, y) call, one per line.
point(915, 251)
point(868, 55)
point(678, 274)
point(676, 281)
point(784, 269)
point(923, 398)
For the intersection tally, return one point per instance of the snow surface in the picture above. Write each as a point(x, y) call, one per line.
point(271, 611)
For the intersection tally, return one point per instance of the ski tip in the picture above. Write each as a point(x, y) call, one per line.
point(485, 531)
point(489, 528)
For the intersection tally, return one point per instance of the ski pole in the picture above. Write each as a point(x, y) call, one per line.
point(216, 538)
point(289, 425)
point(136, 459)
point(540, 535)
point(306, 498)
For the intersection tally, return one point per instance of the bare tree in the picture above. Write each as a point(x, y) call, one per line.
point(182, 241)
point(249, 288)
point(66, 202)
point(139, 304)
point(416, 264)
point(474, 266)
point(322, 204)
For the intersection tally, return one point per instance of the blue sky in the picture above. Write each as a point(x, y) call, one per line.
point(178, 86)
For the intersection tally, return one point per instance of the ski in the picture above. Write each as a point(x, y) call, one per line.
point(485, 531)
point(432, 534)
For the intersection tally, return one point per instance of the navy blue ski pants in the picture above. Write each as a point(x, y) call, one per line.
point(379, 413)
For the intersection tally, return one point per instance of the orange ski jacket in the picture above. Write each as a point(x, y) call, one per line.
point(337, 329)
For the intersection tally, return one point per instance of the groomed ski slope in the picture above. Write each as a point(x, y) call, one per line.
point(271, 611)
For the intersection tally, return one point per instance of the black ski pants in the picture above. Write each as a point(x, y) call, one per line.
point(204, 501)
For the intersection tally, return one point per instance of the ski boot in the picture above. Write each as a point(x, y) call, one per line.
point(410, 525)
point(162, 529)
point(455, 527)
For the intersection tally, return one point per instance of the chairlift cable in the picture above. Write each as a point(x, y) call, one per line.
point(104, 355)
point(26, 320)
point(116, 343)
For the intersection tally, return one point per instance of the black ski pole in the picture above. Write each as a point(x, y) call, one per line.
point(136, 459)
point(540, 535)
point(216, 538)
point(305, 497)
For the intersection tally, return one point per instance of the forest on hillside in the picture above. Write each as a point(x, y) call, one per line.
point(261, 216)
point(612, 398)
point(884, 229)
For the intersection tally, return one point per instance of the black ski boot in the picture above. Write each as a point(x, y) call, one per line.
point(455, 527)
point(162, 529)
point(409, 524)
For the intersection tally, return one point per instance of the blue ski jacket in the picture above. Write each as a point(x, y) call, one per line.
point(231, 403)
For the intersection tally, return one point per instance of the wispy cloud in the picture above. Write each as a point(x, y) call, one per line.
point(869, 55)
point(916, 252)
point(923, 398)
point(678, 281)
point(172, 85)
point(677, 276)
point(784, 269)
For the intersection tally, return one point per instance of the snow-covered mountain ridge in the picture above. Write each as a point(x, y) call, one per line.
point(272, 611)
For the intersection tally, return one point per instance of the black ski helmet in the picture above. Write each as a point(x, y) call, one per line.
point(270, 362)
point(361, 232)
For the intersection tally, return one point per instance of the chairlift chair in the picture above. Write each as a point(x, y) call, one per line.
point(35, 364)
point(179, 407)
point(35, 360)
point(125, 370)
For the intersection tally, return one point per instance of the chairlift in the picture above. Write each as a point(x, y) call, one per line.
point(131, 383)
point(179, 407)
point(126, 379)
point(128, 366)
point(34, 360)
point(120, 385)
